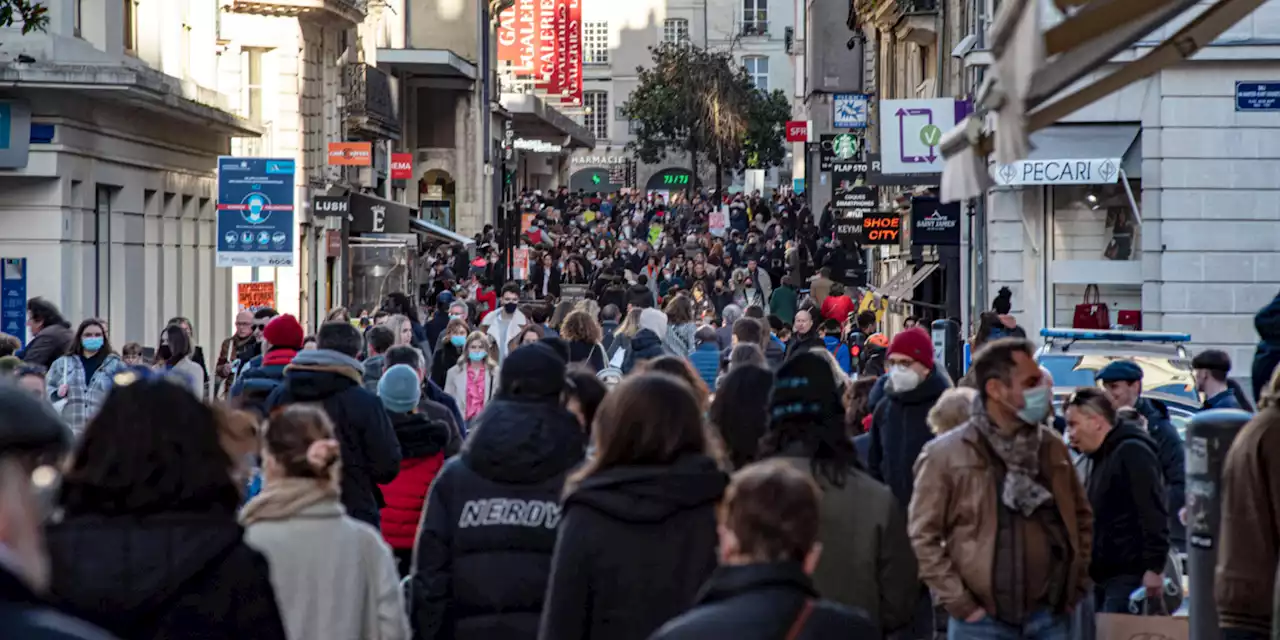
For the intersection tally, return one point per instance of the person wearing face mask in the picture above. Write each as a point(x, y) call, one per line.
point(900, 424)
point(1130, 521)
point(452, 342)
point(505, 322)
point(78, 382)
point(471, 381)
point(999, 483)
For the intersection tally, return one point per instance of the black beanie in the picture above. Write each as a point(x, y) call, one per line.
point(531, 372)
point(805, 388)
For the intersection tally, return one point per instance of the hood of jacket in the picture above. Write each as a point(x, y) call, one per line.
point(126, 569)
point(832, 343)
point(925, 393)
point(646, 344)
point(320, 373)
point(651, 494)
point(419, 436)
point(372, 367)
point(523, 442)
point(1123, 432)
point(1152, 410)
point(728, 581)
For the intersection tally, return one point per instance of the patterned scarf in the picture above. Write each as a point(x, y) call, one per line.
point(1021, 456)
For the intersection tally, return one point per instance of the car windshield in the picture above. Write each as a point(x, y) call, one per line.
point(1159, 375)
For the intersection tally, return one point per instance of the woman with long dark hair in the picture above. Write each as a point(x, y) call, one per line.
point(867, 560)
point(740, 411)
point(173, 356)
point(637, 534)
point(147, 545)
point(78, 382)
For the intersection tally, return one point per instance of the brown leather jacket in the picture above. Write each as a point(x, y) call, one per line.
point(953, 520)
point(1249, 543)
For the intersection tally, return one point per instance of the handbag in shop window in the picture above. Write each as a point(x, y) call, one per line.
point(1093, 312)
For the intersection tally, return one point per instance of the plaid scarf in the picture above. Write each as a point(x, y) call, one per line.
point(1021, 456)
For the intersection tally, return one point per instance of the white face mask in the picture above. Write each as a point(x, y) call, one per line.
point(903, 379)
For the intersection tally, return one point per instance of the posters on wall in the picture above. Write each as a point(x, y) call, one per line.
point(251, 296)
point(255, 212)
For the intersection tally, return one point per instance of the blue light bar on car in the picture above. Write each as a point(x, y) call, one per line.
point(1114, 336)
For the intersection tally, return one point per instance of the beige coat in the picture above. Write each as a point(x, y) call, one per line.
point(334, 577)
point(455, 384)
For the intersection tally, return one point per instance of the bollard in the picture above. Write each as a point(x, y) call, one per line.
point(1209, 437)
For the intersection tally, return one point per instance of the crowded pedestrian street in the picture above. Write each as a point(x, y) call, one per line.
point(588, 320)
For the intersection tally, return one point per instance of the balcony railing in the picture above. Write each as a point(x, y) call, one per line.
point(918, 6)
point(755, 28)
point(351, 12)
point(369, 107)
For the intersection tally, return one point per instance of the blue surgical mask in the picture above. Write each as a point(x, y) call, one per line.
point(1037, 403)
point(457, 341)
point(92, 344)
point(476, 356)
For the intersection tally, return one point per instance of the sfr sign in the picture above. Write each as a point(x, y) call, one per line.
point(798, 131)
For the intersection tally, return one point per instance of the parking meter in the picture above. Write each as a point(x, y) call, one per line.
point(946, 347)
point(1209, 437)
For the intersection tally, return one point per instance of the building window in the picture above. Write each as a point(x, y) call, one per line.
point(755, 17)
point(595, 113)
point(130, 26)
point(758, 69)
point(675, 31)
point(595, 43)
point(251, 61)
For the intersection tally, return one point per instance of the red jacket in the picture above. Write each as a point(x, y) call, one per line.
point(838, 308)
point(405, 497)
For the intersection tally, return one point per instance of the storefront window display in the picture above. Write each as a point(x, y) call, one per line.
point(1095, 239)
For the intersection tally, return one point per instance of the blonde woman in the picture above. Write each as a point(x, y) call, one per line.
point(952, 409)
point(471, 382)
point(402, 328)
point(622, 337)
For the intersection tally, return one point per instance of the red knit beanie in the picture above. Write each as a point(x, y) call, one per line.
point(915, 344)
point(284, 331)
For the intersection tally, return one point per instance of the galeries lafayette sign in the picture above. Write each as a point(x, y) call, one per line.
point(541, 41)
point(1054, 172)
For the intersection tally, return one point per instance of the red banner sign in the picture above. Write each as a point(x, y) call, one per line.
point(552, 38)
point(518, 36)
point(402, 166)
point(797, 131)
point(572, 88)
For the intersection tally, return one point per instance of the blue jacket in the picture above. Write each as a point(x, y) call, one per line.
point(1225, 400)
point(1173, 463)
point(840, 350)
point(1267, 356)
point(706, 359)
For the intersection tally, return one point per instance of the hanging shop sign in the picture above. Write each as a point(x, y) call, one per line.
point(849, 111)
point(1057, 172)
point(849, 227)
point(837, 147)
point(934, 223)
point(370, 214)
point(798, 131)
point(517, 36)
point(330, 206)
point(255, 212)
point(911, 130)
point(351, 154)
point(536, 146)
point(849, 190)
point(402, 166)
point(571, 84)
point(881, 228)
point(877, 177)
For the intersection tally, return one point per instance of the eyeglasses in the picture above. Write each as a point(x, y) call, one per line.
point(244, 324)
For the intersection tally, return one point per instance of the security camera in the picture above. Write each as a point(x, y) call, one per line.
point(852, 43)
point(965, 46)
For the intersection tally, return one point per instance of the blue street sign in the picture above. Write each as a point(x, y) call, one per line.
point(1258, 96)
point(255, 212)
point(13, 298)
point(849, 111)
point(797, 185)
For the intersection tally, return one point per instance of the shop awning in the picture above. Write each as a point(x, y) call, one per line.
point(429, 67)
point(434, 230)
point(1036, 72)
point(534, 119)
point(1076, 154)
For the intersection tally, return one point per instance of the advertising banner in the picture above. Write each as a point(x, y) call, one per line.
point(13, 290)
point(251, 296)
point(718, 221)
point(935, 223)
point(881, 228)
point(351, 154)
point(572, 88)
point(552, 15)
point(255, 212)
point(517, 37)
point(401, 166)
point(520, 264)
point(848, 191)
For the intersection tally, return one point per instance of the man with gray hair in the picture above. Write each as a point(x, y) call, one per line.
point(724, 335)
point(32, 438)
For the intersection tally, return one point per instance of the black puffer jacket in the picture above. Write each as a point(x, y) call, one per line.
point(25, 615)
point(1130, 522)
point(1173, 463)
point(484, 548)
point(763, 602)
point(635, 546)
point(899, 431)
point(645, 345)
point(177, 575)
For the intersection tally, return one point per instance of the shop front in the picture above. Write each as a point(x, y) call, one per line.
point(542, 137)
point(1076, 203)
point(594, 173)
point(671, 179)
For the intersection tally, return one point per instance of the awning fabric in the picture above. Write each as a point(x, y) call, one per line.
point(436, 231)
point(1076, 154)
point(1092, 34)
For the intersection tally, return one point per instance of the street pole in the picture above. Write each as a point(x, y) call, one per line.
point(386, 184)
point(1209, 437)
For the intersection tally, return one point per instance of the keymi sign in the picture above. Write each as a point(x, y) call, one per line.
point(1054, 172)
point(934, 223)
point(881, 228)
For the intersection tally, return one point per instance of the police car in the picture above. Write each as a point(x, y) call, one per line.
point(1074, 357)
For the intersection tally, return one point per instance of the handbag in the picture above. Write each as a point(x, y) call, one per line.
point(1093, 312)
point(1129, 319)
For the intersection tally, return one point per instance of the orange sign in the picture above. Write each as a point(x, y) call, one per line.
point(520, 265)
point(251, 296)
point(351, 154)
point(526, 222)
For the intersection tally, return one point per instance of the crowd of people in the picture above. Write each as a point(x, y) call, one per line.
point(664, 430)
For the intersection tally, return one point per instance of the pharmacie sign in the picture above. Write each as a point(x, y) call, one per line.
point(1057, 172)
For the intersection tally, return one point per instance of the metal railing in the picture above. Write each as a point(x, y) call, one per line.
point(755, 28)
point(367, 90)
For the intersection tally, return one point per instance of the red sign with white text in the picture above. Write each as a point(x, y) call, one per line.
point(401, 166)
point(518, 36)
point(572, 88)
point(797, 131)
point(552, 41)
